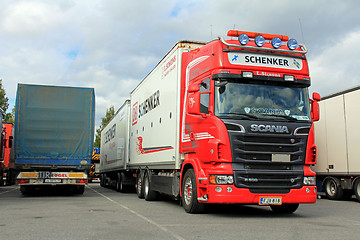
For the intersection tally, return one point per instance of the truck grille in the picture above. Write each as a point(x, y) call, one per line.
point(253, 163)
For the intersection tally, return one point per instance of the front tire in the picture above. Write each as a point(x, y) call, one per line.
point(333, 190)
point(189, 193)
point(285, 208)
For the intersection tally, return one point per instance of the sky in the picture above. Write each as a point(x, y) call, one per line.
point(111, 45)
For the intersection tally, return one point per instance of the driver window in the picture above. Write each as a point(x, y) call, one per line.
point(204, 96)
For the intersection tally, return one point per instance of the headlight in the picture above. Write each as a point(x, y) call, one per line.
point(221, 179)
point(309, 181)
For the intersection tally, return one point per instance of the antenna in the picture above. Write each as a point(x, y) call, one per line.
point(211, 32)
point(301, 29)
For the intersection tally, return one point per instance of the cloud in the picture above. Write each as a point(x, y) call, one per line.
point(112, 45)
point(337, 67)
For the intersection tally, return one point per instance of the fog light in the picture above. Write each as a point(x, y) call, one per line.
point(218, 189)
point(307, 190)
point(229, 189)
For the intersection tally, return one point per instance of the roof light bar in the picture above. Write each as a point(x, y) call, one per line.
point(260, 39)
point(235, 33)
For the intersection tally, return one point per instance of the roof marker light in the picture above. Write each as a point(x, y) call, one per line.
point(276, 42)
point(292, 44)
point(247, 74)
point(260, 41)
point(289, 78)
point(243, 39)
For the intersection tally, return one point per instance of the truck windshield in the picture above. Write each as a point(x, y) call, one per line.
point(256, 101)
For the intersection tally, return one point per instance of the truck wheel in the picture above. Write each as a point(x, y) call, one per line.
point(285, 208)
point(333, 190)
point(80, 189)
point(25, 190)
point(102, 180)
point(149, 194)
point(357, 189)
point(119, 183)
point(189, 193)
point(139, 184)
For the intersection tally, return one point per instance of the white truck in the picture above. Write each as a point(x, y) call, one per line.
point(337, 138)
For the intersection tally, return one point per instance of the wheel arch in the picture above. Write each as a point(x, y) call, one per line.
point(190, 164)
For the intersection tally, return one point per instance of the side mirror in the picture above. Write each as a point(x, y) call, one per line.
point(194, 88)
point(315, 115)
point(11, 141)
point(316, 96)
point(193, 103)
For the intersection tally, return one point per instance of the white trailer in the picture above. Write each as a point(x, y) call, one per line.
point(114, 156)
point(145, 125)
point(337, 137)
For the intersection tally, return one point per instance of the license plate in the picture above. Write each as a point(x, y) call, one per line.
point(270, 201)
point(52, 180)
point(280, 157)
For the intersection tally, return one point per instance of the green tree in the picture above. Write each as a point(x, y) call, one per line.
point(4, 105)
point(110, 112)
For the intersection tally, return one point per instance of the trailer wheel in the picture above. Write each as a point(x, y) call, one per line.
point(357, 189)
point(285, 208)
point(25, 190)
point(139, 184)
point(120, 187)
point(189, 193)
point(333, 189)
point(102, 184)
point(80, 189)
point(149, 195)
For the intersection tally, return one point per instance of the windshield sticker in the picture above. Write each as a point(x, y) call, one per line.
point(300, 117)
point(266, 111)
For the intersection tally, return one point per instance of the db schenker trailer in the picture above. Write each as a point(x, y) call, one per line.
point(229, 121)
point(337, 137)
point(53, 137)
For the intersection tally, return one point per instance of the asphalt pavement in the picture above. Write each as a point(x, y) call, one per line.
point(102, 213)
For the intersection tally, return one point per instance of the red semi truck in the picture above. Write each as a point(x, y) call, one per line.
point(8, 175)
point(229, 121)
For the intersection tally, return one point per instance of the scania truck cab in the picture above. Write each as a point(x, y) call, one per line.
point(249, 97)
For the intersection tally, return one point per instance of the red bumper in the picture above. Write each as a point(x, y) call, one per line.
point(306, 194)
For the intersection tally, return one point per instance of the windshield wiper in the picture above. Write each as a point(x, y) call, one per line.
point(283, 116)
point(243, 115)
